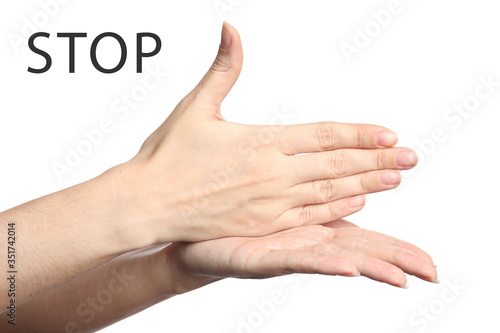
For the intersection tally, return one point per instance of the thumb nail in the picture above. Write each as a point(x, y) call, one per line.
point(226, 37)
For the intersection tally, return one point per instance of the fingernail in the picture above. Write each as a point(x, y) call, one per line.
point(387, 139)
point(407, 285)
point(358, 274)
point(356, 201)
point(390, 178)
point(406, 158)
point(226, 38)
point(437, 281)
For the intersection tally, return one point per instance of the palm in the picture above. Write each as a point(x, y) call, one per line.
point(337, 248)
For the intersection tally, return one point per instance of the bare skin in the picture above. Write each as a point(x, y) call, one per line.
point(199, 177)
point(270, 187)
point(157, 273)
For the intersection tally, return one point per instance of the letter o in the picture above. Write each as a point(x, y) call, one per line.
point(93, 53)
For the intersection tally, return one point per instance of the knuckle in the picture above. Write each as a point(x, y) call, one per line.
point(332, 211)
point(251, 226)
point(380, 160)
point(358, 136)
point(365, 183)
point(326, 191)
point(338, 164)
point(267, 173)
point(220, 65)
point(305, 215)
point(325, 136)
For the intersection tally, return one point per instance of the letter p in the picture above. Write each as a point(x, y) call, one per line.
point(140, 53)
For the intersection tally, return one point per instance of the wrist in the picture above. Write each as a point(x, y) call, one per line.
point(148, 202)
point(127, 225)
point(175, 278)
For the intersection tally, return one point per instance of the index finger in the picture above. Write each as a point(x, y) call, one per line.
point(323, 136)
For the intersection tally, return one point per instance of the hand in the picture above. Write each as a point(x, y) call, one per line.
point(336, 248)
point(197, 170)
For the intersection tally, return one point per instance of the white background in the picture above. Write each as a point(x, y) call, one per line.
point(428, 58)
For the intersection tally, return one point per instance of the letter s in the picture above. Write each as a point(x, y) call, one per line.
point(48, 59)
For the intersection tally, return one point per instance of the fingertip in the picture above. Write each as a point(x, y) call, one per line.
point(229, 36)
point(430, 275)
point(223, 73)
point(386, 139)
point(400, 282)
point(356, 201)
point(396, 278)
point(406, 159)
point(226, 36)
point(390, 178)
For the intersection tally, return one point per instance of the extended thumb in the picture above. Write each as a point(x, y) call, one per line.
point(226, 68)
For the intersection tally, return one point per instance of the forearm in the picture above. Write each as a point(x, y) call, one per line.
point(113, 291)
point(67, 233)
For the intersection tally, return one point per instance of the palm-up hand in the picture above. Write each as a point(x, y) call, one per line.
point(336, 248)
